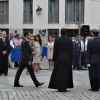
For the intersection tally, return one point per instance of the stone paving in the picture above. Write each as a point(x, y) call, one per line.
point(30, 92)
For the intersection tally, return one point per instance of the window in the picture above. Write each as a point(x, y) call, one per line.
point(28, 11)
point(5, 29)
point(53, 32)
point(53, 11)
point(72, 11)
point(28, 30)
point(4, 12)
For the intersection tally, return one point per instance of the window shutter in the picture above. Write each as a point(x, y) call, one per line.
point(76, 10)
point(70, 10)
point(49, 11)
point(27, 11)
point(53, 10)
point(24, 17)
point(31, 11)
point(82, 14)
point(5, 15)
point(4, 11)
point(1, 11)
point(57, 11)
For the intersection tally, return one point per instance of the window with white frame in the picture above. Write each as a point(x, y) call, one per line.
point(72, 11)
point(4, 11)
point(28, 11)
point(53, 11)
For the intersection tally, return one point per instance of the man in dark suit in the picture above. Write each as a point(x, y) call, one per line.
point(93, 57)
point(61, 77)
point(4, 52)
point(26, 61)
point(76, 53)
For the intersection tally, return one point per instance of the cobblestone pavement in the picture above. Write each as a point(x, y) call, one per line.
point(30, 92)
point(49, 95)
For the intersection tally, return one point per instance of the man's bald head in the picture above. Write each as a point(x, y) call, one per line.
point(4, 34)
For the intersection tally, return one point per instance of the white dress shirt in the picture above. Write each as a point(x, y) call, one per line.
point(82, 45)
point(12, 44)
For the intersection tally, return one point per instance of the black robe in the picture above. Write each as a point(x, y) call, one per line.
point(61, 77)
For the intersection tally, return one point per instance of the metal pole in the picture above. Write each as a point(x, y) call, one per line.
point(79, 29)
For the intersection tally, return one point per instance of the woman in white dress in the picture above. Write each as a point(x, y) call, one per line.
point(50, 46)
point(37, 50)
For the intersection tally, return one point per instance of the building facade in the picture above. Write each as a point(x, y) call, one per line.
point(18, 16)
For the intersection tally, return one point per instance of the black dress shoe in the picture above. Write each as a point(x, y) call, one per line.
point(39, 84)
point(62, 90)
point(18, 85)
point(6, 74)
point(89, 89)
point(59, 90)
point(93, 90)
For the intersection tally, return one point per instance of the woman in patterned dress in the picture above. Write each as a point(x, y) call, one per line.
point(37, 50)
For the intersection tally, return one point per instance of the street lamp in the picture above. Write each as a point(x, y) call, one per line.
point(38, 10)
point(42, 32)
point(15, 31)
point(79, 29)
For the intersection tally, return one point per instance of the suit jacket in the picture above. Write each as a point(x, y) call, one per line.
point(76, 48)
point(26, 52)
point(5, 47)
point(93, 51)
point(63, 45)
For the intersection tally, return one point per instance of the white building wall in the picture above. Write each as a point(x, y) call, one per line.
point(15, 16)
point(92, 16)
point(92, 13)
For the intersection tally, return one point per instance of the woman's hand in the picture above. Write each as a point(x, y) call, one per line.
point(51, 48)
point(34, 54)
point(40, 55)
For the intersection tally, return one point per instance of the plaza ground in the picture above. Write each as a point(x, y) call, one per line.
point(30, 92)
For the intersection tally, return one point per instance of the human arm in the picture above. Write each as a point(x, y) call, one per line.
point(88, 52)
point(71, 51)
point(55, 50)
point(45, 44)
point(12, 44)
point(26, 52)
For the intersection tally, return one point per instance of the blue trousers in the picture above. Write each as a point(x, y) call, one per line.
point(94, 75)
point(76, 61)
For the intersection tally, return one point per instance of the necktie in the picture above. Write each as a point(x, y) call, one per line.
point(4, 41)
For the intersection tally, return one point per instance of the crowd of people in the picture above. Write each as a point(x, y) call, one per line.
point(35, 43)
point(63, 52)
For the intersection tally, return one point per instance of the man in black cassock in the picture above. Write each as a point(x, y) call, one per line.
point(61, 77)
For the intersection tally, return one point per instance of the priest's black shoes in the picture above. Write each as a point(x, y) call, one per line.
point(62, 90)
point(95, 90)
point(39, 84)
point(18, 85)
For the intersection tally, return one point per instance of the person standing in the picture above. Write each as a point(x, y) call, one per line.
point(83, 52)
point(4, 53)
point(17, 43)
point(26, 61)
point(76, 53)
point(61, 77)
point(93, 57)
point(50, 46)
point(37, 50)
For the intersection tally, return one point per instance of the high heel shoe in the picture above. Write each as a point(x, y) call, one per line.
point(38, 72)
